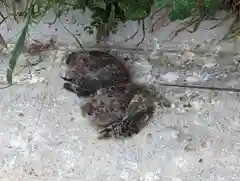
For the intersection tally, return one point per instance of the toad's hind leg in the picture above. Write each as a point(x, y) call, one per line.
point(136, 118)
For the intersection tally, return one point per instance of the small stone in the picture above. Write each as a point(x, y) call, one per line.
point(188, 56)
point(21, 114)
point(170, 77)
point(192, 79)
point(210, 64)
point(182, 98)
point(188, 105)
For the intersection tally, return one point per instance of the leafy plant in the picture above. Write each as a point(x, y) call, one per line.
point(182, 9)
point(19, 45)
point(106, 16)
point(16, 52)
point(108, 13)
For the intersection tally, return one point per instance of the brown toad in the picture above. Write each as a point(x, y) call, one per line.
point(118, 107)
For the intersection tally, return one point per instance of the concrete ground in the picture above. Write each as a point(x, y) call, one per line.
point(43, 136)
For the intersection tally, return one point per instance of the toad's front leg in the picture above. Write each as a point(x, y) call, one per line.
point(84, 88)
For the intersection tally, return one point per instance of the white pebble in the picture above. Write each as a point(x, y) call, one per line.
point(192, 79)
point(170, 77)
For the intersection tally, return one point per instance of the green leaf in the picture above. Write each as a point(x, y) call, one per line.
point(3, 42)
point(17, 51)
point(162, 3)
point(112, 15)
point(211, 6)
point(136, 10)
point(182, 9)
point(100, 4)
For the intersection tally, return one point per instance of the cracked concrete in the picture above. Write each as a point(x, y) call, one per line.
point(43, 135)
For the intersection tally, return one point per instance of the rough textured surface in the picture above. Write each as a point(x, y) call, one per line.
point(43, 135)
point(118, 107)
